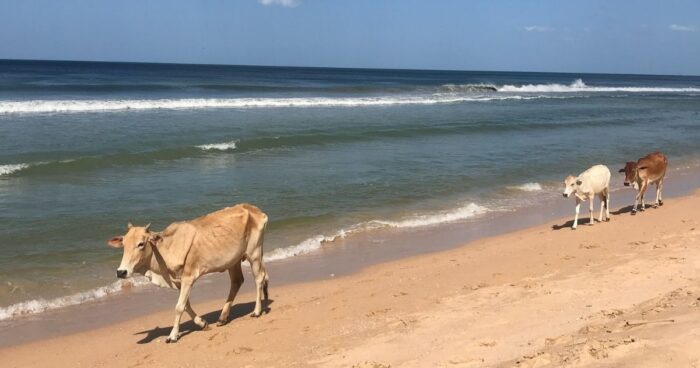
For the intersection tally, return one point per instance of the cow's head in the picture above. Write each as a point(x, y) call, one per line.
point(571, 183)
point(138, 243)
point(631, 172)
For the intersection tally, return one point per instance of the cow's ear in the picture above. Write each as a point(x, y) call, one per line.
point(579, 182)
point(155, 239)
point(621, 170)
point(116, 242)
point(129, 225)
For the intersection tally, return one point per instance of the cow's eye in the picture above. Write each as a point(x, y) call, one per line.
point(140, 245)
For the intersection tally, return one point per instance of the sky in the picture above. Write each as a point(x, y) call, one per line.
point(611, 36)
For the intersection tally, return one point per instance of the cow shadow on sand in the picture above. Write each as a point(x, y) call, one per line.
point(237, 311)
point(584, 220)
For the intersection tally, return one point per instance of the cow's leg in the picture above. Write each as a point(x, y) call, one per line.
point(260, 275)
point(185, 289)
point(607, 205)
point(658, 194)
point(195, 318)
point(578, 207)
point(642, 191)
point(236, 275)
point(590, 209)
point(660, 190)
point(602, 206)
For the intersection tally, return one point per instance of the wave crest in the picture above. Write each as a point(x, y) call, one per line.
point(579, 86)
point(461, 88)
point(9, 169)
point(79, 106)
point(225, 146)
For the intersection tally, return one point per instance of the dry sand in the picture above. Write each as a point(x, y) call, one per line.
point(620, 294)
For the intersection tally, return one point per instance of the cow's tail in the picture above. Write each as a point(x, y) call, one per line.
point(266, 277)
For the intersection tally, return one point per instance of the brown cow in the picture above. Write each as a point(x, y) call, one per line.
point(650, 169)
point(187, 250)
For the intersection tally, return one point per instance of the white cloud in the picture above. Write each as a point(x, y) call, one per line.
point(285, 3)
point(538, 29)
point(681, 28)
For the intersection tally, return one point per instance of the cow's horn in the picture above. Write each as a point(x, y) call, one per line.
point(148, 226)
point(129, 225)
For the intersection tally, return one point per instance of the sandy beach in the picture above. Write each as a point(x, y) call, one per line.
point(623, 293)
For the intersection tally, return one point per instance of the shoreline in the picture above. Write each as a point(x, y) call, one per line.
point(347, 256)
point(621, 293)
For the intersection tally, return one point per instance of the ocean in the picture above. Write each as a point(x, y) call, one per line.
point(326, 153)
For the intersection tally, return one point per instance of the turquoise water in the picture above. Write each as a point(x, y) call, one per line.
point(87, 147)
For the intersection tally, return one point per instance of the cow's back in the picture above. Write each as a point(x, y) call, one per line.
point(596, 178)
point(653, 166)
point(221, 238)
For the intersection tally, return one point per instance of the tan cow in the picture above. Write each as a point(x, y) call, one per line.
point(650, 169)
point(187, 250)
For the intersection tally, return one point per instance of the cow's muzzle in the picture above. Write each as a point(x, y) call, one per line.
point(627, 184)
point(565, 195)
point(121, 274)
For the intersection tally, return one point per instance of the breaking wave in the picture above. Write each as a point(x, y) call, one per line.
point(77, 106)
point(468, 88)
point(579, 86)
point(10, 169)
point(219, 146)
point(43, 305)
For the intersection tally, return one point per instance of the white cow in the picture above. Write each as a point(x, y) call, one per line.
point(589, 184)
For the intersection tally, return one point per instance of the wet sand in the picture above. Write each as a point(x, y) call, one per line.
point(622, 293)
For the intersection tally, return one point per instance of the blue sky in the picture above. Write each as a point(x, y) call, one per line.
point(643, 36)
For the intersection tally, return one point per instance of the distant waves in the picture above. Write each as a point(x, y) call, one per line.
point(109, 105)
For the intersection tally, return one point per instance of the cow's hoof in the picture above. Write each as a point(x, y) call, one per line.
point(171, 340)
point(634, 212)
point(607, 220)
point(204, 326)
point(221, 323)
point(256, 315)
point(573, 228)
point(661, 203)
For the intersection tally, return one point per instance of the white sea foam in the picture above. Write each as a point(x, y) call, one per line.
point(42, 305)
point(579, 86)
point(314, 243)
point(76, 106)
point(307, 246)
point(9, 169)
point(462, 213)
point(529, 187)
point(219, 146)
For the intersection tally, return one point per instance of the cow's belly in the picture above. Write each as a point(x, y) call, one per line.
point(217, 261)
